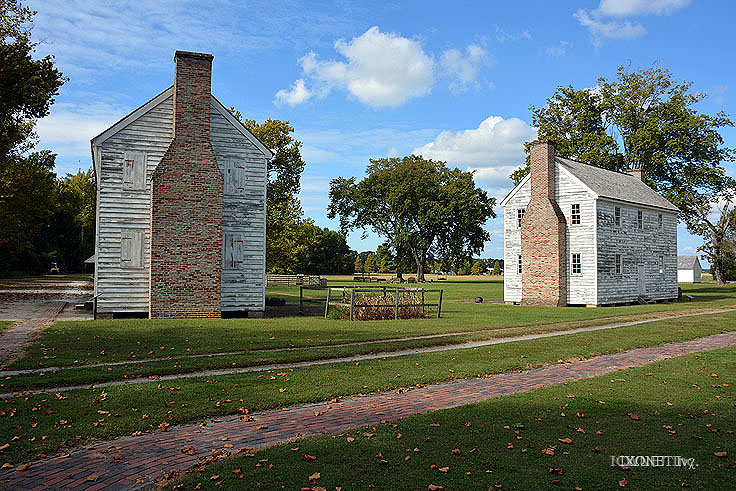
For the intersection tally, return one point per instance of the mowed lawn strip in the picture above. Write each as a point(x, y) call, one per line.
point(682, 409)
point(88, 342)
point(48, 422)
point(4, 325)
point(177, 365)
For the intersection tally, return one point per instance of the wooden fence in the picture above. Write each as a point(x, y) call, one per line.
point(389, 293)
point(294, 280)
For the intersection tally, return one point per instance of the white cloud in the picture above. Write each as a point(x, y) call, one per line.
point(602, 27)
point(493, 150)
point(624, 8)
point(463, 69)
point(502, 36)
point(296, 95)
point(559, 49)
point(380, 69)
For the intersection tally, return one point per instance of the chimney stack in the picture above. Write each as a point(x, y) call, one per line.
point(637, 172)
point(544, 234)
point(186, 203)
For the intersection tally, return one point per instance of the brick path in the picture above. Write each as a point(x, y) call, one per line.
point(14, 337)
point(136, 462)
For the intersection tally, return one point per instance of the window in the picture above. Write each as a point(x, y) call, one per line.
point(640, 219)
point(131, 249)
point(234, 176)
point(661, 264)
point(519, 215)
point(518, 265)
point(577, 267)
point(134, 170)
point(617, 216)
point(659, 221)
point(232, 254)
point(575, 215)
point(619, 264)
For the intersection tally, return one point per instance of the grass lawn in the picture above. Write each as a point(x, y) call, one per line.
point(683, 409)
point(88, 342)
point(4, 325)
point(49, 422)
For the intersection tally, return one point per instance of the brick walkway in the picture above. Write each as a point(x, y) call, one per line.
point(136, 462)
point(14, 337)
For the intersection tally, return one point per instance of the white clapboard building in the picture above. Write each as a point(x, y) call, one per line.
point(198, 269)
point(575, 234)
point(689, 269)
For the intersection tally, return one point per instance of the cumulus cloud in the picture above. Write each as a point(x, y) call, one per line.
point(494, 149)
point(602, 27)
point(379, 69)
point(296, 95)
point(463, 68)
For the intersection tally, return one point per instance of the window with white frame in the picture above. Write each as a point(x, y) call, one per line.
point(661, 264)
point(619, 263)
point(520, 215)
point(577, 267)
point(640, 219)
point(575, 214)
point(617, 216)
point(518, 265)
point(659, 221)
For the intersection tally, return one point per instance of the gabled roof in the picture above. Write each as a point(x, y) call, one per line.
point(687, 262)
point(615, 185)
point(137, 113)
point(606, 184)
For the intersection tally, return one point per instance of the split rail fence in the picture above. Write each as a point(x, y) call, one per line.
point(294, 280)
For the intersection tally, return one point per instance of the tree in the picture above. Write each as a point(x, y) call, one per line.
point(496, 268)
point(358, 265)
point(288, 236)
point(643, 119)
point(416, 204)
point(370, 264)
point(72, 229)
point(479, 267)
point(384, 267)
point(328, 253)
point(27, 86)
point(715, 221)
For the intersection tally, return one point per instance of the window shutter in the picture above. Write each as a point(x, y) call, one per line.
point(227, 255)
point(131, 249)
point(238, 254)
point(134, 170)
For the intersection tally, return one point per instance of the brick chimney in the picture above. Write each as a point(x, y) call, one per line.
point(543, 234)
point(637, 172)
point(186, 203)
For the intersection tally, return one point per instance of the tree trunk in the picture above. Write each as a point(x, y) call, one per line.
point(420, 257)
point(717, 270)
point(716, 266)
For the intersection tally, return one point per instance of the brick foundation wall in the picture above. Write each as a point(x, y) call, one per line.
point(186, 203)
point(543, 235)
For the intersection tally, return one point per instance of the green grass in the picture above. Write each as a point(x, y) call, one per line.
point(4, 325)
point(684, 412)
point(71, 418)
point(89, 342)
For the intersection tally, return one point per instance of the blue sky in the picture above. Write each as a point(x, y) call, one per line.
point(359, 80)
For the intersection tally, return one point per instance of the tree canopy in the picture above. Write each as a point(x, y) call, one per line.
point(417, 204)
point(641, 119)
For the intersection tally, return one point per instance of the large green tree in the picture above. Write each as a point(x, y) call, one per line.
point(641, 119)
point(417, 204)
point(329, 253)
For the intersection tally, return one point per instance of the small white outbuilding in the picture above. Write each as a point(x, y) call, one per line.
point(688, 269)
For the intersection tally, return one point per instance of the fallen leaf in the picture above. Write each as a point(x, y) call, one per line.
point(555, 470)
point(622, 482)
point(565, 440)
point(443, 469)
point(435, 487)
point(188, 450)
point(23, 467)
point(313, 478)
point(308, 458)
point(633, 417)
point(350, 439)
point(456, 451)
point(720, 454)
point(92, 477)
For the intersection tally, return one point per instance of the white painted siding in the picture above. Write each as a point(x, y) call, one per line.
point(124, 210)
point(638, 247)
point(512, 243)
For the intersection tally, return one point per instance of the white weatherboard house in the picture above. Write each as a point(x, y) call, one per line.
point(594, 237)
point(183, 167)
point(688, 269)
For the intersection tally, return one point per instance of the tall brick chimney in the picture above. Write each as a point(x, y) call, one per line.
point(186, 203)
point(637, 172)
point(543, 234)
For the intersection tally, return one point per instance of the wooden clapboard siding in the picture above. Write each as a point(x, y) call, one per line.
point(512, 243)
point(243, 214)
point(122, 208)
point(125, 289)
point(637, 247)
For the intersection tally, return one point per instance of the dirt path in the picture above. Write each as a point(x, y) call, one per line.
point(136, 462)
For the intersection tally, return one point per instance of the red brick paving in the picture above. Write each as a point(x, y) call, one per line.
point(146, 458)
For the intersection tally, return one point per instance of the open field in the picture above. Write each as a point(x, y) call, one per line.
point(49, 422)
point(683, 409)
